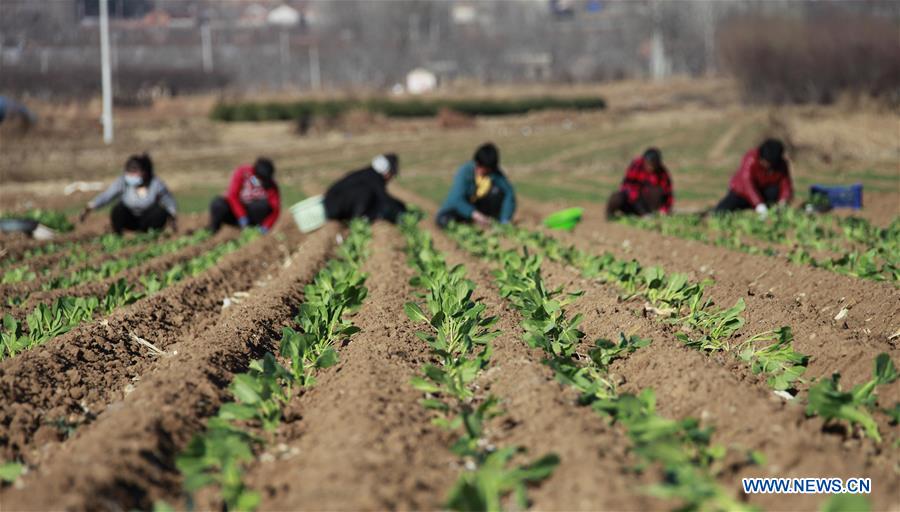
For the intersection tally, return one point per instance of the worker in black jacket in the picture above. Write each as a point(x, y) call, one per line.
point(363, 193)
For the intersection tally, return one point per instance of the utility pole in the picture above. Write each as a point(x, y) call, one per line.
point(315, 72)
point(285, 58)
point(106, 73)
point(709, 36)
point(659, 66)
point(206, 46)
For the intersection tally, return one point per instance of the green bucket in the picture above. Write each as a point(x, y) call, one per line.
point(564, 219)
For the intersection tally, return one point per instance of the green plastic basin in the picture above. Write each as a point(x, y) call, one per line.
point(564, 219)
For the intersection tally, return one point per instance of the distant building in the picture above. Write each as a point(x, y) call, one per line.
point(284, 16)
point(420, 80)
point(464, 14)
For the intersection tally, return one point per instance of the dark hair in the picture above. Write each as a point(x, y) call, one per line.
point(264, 169)
point(394, 160)
point(654, 156)
point(487, 156)
point(141, 162)
point(772, 151)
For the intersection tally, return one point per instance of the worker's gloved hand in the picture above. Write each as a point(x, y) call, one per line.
point(84, 213)
point(263, 230)
point(762, 210)
point(243, 222)
point(481, 219)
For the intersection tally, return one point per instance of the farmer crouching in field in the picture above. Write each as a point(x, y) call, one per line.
point(762, 180)
point(252, 199)
point(363, 193)
point(647, 187)
point(145, 204)
point(480, 192)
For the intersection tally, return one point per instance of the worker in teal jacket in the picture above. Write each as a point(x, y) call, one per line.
point(480, 192)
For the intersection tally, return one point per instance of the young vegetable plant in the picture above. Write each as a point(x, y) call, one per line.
point(18, 275)
point(682, 448)
point(827, 400)
point(779, 360)
point(65, 313)
point(673, 296)
point(459, 336)
point(218, 455)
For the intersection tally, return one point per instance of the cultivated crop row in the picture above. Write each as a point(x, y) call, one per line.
point(709, 329)
point(75, 252)
point(681, 448)
point(459, 336)
point(110, 268)
point(47, 321)
point(675, 299)
point(218, 456)
point(853, 246)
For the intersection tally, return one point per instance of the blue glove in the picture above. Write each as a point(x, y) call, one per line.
point(263, 230)
point(243, 221)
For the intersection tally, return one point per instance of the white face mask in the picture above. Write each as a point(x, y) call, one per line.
point(133, 180)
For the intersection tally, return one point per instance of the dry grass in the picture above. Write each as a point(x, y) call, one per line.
point(580, 157)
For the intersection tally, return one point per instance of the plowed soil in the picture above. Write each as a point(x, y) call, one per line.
point(140, 430)
point(99, 417)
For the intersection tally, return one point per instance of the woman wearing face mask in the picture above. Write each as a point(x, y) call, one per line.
point(145, 201)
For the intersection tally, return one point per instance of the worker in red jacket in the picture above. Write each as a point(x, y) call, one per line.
point(252, 199)
point(647, 187)
point(762, 180)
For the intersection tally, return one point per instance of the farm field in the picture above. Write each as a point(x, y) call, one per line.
point(630, 365)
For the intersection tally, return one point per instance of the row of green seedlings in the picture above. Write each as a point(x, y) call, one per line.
point(681, 448)
point(75, 253)
point(46, 321)
point(219, 455)
point(681, 302)
point(769, 353)
point(460, 337)
point(873, 253)
point(112, 267)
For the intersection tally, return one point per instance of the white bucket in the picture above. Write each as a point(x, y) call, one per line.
point(309, 214)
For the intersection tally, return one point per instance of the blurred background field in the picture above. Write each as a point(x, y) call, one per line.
point(703, 81)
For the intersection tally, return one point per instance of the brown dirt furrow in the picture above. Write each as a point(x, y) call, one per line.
point(45, 261)
point(542, 416)
point(776, 293)
point(70, 379)
point(98, 257)
point(138, 437)
point(14, 245)
point(131, 275)
point(362, 421)
point(714, 389)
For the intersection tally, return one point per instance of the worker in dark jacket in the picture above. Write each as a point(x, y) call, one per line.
point(252, 199)
point(363, 193)
point(480, 192)
point(647, 187)
point(145, 202)
point(762, 180)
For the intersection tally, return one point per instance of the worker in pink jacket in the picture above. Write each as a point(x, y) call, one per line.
point(762, 180)
point(252, 199)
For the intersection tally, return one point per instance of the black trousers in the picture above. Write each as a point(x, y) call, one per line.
point(220, 213)
point(732, 201)
point(123, 218)
point(650, 200)
point(489, 205)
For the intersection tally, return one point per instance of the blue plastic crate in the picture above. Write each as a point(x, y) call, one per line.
point(850, 196)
